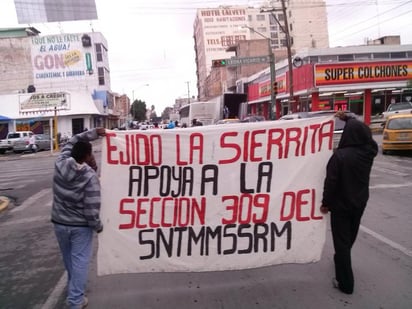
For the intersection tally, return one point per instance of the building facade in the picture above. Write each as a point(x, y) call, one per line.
point(216, 30)
point(362, 79)
point(44, 76)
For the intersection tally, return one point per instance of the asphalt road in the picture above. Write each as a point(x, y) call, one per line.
point(32, 274)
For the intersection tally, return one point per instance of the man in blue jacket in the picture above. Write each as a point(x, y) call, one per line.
point(76, 209)
point(346, 193)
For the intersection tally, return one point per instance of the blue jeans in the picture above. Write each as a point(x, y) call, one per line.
point(76, 246)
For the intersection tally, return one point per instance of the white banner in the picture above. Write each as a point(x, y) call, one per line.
point(213, 198)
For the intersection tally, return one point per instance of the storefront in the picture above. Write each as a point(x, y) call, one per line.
point(364, 87)
point(72, 111)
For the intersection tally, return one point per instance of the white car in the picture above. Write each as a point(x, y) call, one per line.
point(398, 108)
point(42, 142)
point(339, 124)
point(12, 138)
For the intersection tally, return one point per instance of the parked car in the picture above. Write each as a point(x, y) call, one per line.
point(397, 108)
point(397, 133)
point(42, 142)
point(253, 118)
point(228, 120)
point(339, 124)
point(13, 137)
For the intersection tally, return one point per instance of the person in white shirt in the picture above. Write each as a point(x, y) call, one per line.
point(32, 143)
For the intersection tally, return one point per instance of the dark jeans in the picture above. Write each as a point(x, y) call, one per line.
point(345, 227)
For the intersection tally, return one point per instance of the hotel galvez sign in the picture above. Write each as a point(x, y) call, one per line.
point(362, 72)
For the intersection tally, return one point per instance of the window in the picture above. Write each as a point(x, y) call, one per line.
point(362, 56)
point(345, 57)
point(397, 55)
point(260, 17)
point(400, 124)
point(261, 29)
point(381, 56)
point(100, 51)
point(313, 59)
point(272, 20)
point(250, 17)
point(328, 58)
point(281, 17)
point(283, 42)
point(101, 75)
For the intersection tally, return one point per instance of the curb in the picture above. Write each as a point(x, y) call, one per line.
point(4, 202)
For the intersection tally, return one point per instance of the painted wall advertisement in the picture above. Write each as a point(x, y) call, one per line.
point(213, 198)
point(57, 59)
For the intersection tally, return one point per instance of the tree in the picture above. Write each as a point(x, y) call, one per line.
point(138, 110)
point(166, 113)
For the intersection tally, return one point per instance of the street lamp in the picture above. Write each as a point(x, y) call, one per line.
point(272, 72)
point(145, 85)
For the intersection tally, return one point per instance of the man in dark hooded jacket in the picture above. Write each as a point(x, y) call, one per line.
point(346, 192)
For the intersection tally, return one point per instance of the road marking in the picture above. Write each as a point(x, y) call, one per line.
point(389, 171)
point(387, 241)
point(393, 164)
point(54, 296)
point(392, 185)
point(12, 185)
point(26, 220)
point(32, 199)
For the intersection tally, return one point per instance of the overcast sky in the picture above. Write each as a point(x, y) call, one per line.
point(151, 41)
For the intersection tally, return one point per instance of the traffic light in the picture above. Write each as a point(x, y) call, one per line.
point(218, 63)
point(275, 88)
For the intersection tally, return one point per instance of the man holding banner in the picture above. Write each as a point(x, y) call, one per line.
point(346, 192)
point(76, 210)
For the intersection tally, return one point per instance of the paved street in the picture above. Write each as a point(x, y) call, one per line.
point(32, 274)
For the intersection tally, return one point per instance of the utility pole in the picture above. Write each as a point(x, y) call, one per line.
point(272, 81)
point(285, 29)
point(56, 142)
point(188, 92)
point(289, 51)
point(272, 72)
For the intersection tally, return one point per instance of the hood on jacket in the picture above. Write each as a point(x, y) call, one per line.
point(357, 134)
point(72, 171)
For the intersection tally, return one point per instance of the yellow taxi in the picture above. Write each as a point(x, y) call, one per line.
point(397, 133)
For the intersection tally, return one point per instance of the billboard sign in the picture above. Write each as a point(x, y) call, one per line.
point(43, 11)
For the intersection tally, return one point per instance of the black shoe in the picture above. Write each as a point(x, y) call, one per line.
point(335, 284)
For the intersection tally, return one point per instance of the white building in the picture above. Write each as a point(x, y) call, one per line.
point(63, 75)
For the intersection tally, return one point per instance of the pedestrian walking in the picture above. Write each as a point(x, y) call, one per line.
point(76, 210)
point(346, 193)
point(32, 143)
